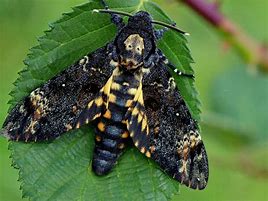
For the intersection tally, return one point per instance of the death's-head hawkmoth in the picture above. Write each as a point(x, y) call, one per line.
point(126, 89)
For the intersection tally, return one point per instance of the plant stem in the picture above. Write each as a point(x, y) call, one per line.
point(251, 51)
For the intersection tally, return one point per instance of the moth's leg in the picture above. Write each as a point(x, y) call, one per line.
point(151, 61)
point(163, 59)
point(116, 19)
point(112, 52)
point(160, 32)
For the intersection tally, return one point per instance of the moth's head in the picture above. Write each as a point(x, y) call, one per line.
point(141, 21)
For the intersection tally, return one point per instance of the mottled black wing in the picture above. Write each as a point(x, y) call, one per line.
point(54, 108)
point(175, 143)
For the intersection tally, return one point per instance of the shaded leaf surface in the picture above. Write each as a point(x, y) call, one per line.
point(61, 170)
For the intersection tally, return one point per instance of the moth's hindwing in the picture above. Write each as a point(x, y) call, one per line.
point(174, 141)
point(53, 108)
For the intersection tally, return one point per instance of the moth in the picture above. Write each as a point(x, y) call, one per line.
point(127, 91)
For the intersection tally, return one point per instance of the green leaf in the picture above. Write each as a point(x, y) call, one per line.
point(61, 170)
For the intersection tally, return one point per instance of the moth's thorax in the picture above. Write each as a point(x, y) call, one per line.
point(134, 44)
point(131, 56)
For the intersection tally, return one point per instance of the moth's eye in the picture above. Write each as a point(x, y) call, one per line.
point(138, 49)
point(130, 46)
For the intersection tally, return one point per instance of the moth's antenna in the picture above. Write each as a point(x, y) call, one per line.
point(112, 11)
point(170, 26)
point(129, 15)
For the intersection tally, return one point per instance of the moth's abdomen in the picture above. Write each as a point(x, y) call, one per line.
point(110, 141)
point(111, 131)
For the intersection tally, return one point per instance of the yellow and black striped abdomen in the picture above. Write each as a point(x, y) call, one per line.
point(111, 131)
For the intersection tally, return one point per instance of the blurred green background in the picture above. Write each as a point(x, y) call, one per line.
point(234, 98)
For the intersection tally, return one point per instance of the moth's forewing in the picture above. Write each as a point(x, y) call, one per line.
point(53, 108)
point(175, 142)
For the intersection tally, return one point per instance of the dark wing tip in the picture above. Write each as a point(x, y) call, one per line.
point(4, 133)
point(196, 183)
point(11, 124)
point(199, 172)
point(16, 123)
point(195, 173)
